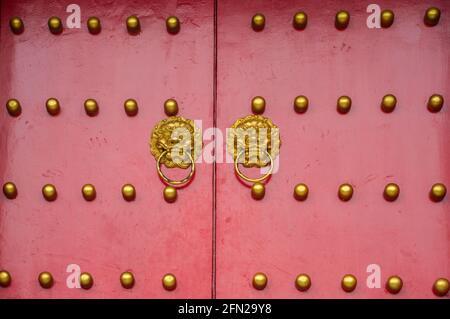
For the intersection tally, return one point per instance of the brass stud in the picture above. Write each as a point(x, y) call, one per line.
point(10, 190)
point(5, 279)
point(55, 25)
point(349, 283)
point(386, 18)
point(49, 192)
point(258, 105)
point(16, 25)
point(303, 282)
point(258, 22)
point(432, 16)
point(133, 24)
point(171, 107)
point(89, 192)
point(86, 280)
point(301, 192)
point(345, 192)
point(441, 287)
point(131, 107)
point(128, 192)
point(388, 103)
point(300, 20)
point(91, 107)
point(258, 191)
point(301, 104)
point(127, 280)
point(438, 192)
point(53, 107)
point(259, 281)
point(170, 194)
point(13, 107)
point(342, 20)
point(435, 103)
point(344, 104)
point(169, 282)
point(173, 25)
point(94, 25)
point(391, 192)
point(394, 284)
point(45, 280)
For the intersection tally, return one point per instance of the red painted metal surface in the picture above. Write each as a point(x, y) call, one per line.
point(324, 237)
point(107, 236)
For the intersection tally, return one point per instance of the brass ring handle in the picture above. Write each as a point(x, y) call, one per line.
point(248, 179)
point(171, 181)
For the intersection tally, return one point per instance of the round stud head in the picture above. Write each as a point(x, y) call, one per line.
point(86, 280)
point(170, 194)
point(128, 192)
point(300, 20)
point(391, 192)
point(94, 26)
point(133, 24)
point(258, 191)
point(169, 282)
point(301, 192)
point(259, 281)
point(441, 287)
point(303, 282)
point(258, 22)
point(342, 20)
point(344, 104)
point(345, 192)
point(55, 25)
point(171, 107)
point(388, 103)
point(432, 16)
point(386, 18)
point(301, 104)
point(45, 280)
point(394, 284)
point(435, 103)
point(49, 192)
point(10, 190)
point(13, 107)
point(131, 107)
point(173, 25)
point(5, 279)
point(438, 192)
point(91, 107)
point(127, 280)
point(88, 191)
point(53, 107)
point(16, 25)
point(258, 105)
point(349, 283)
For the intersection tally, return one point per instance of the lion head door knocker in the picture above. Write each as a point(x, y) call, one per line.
point(175, 142)
point(254, 142)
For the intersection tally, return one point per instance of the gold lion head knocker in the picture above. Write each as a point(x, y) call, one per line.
point(175, 142)
point(254, 141)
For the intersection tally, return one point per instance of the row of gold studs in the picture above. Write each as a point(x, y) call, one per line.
point(301, 104)
point(299, 21)
point(301, 191)
point(342, 19)
point(127, 280)
point(394, 284)
point(55, 25)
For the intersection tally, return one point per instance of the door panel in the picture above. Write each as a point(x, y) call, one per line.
point(323, 236)
point(108, 235)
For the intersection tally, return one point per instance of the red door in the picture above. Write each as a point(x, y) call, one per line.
point(385, 235)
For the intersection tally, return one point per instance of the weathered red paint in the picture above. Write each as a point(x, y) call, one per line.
point(323, 236)
point(109, 235)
